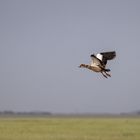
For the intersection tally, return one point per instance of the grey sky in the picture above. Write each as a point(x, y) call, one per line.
point(42, 43)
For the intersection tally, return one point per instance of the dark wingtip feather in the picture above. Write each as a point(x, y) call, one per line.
point(109, 55)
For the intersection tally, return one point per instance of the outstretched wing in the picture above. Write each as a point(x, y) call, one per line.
point(107, 56)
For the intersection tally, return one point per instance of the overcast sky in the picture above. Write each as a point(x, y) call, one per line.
point(42, 43)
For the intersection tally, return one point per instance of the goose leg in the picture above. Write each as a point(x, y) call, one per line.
point(104, 74)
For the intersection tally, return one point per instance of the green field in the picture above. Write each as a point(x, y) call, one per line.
point(68, 128)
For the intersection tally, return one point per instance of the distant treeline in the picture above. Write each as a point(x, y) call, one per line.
point(45, 113)
point(131, 113)
point(25, 113)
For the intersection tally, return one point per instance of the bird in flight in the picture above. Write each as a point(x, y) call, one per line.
point(99, 61)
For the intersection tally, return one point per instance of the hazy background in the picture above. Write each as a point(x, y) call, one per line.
point(42, 43)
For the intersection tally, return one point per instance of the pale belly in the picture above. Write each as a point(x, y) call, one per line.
point(96, 69)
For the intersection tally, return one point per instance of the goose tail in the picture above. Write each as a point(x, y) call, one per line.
point(107, 70)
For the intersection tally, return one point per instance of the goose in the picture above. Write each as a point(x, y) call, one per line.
point(99, 61)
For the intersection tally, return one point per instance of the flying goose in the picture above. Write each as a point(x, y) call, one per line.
point(98, 63)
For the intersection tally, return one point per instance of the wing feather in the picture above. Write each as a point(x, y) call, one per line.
point(95, 61)
point(109, 55)
point(102, 58)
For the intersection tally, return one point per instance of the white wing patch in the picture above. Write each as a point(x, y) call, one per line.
point(99, 56)
point(95, 62)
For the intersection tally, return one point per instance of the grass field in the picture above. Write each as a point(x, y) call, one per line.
point(60, 128)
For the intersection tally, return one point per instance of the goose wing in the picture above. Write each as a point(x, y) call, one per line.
point(95, 61)
point(107, 56)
